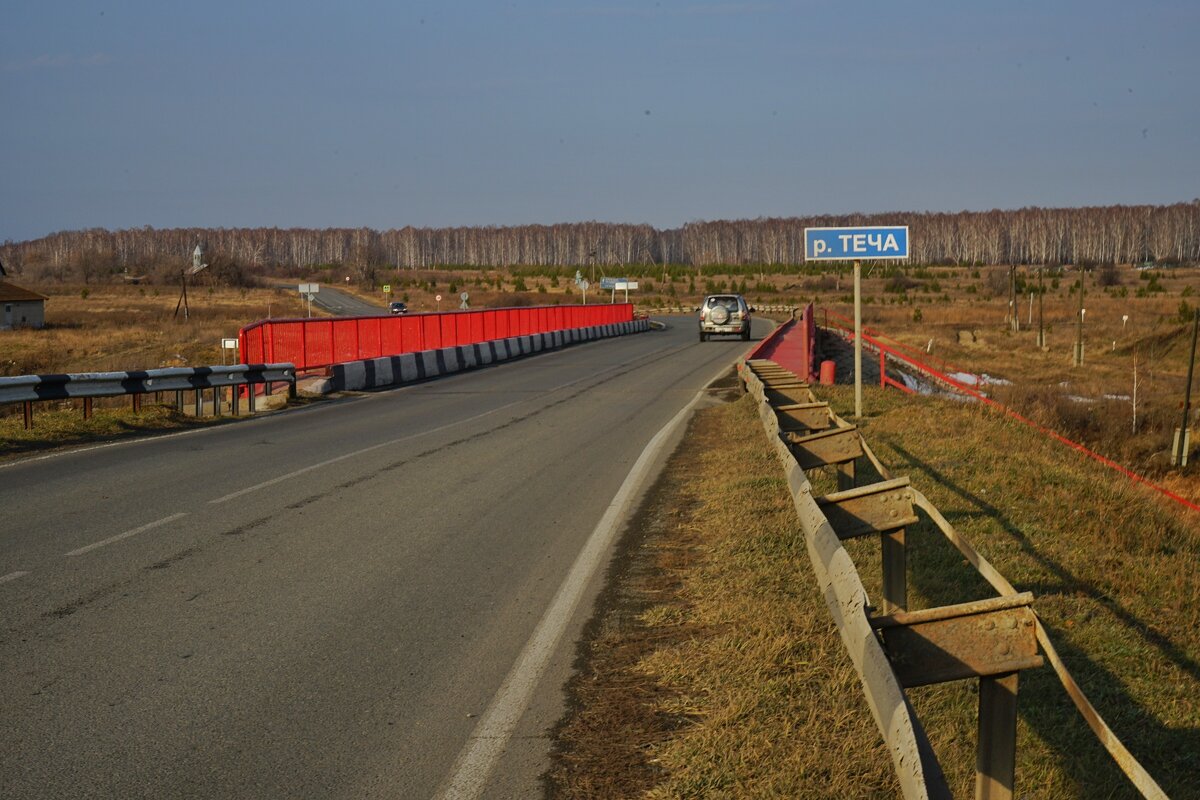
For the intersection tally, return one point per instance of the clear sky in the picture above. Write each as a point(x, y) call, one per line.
point(383, 114)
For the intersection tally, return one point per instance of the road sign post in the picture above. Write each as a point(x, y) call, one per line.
point(856, 244)
point(308, 290)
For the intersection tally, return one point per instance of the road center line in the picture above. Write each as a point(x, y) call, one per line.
point(390, 442)
point(12, 576)
point(469, 775)
point(110, 540)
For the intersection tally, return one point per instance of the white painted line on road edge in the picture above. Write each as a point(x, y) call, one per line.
point(127, 534)
point(469, 776)
point(12, 576)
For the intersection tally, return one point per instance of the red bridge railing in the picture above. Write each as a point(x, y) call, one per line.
point(316, 343)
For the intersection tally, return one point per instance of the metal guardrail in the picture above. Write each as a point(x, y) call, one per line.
point(28, 389)
point(991, 640)
point(682, 309)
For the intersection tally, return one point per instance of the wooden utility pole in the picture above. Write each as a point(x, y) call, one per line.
point(1079, 334)
point(1014, 318)
point(1041, 339)
point(1180, 452)
point(183, 301)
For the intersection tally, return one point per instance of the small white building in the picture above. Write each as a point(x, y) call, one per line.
point(21, 308)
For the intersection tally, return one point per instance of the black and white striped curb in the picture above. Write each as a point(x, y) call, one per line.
point(374, 373)
point(25, 388)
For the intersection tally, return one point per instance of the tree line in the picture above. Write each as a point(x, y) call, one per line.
point(1083, 236)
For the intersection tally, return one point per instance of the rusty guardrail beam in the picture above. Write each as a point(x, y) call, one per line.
point(803, 416)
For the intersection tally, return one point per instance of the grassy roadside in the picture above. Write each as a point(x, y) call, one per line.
point(712, 669)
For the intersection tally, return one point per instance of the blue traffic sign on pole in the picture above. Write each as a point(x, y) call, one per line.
point(855, 244)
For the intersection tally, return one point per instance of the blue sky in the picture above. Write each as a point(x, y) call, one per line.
point(216, 114)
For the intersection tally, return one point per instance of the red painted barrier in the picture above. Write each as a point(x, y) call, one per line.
point(318, 343)
point(792, 345)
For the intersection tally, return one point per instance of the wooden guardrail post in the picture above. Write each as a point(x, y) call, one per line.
point(87, 408)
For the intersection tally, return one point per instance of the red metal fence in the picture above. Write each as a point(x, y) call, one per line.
point(792, 345)
point(315, 343)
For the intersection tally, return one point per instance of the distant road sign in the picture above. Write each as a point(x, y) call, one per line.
point(310, 288)
point(387, 288)
point(855, 244)
point(625, 285)
point(608, 283)
point(229, 344)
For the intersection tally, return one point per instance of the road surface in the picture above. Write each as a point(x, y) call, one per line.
point(337, 302)
point(325, 602)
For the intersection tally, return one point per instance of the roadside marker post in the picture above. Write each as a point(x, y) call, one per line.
point(878, 242)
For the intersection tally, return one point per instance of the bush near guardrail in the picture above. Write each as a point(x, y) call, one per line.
point(320, 343)
point(991, 640)
point(28, 389)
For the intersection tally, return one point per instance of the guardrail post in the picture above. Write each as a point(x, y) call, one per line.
point(250, 397)
point(179, 400)
point(216, 396)
point(845, 475)
point(137, 402)
point(27, 409)
point(895, 575)
point(292, 388)
point(237, 400)
point(996, 757)
point(87, 408)
point(199, 402)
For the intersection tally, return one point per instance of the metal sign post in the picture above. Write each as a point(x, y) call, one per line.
point(226, 346)
point(856, 244)
point(308, 290)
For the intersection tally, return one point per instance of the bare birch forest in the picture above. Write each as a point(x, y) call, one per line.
point(1084, 236)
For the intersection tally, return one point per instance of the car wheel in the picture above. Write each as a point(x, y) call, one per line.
point(702, 336)
point(746, 334)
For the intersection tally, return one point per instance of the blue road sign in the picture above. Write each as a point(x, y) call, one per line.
point(855, 244)
point(609, 283)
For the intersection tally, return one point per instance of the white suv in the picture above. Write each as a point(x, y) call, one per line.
point(725, 313)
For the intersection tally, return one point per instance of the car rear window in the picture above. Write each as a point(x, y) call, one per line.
point(729, 302)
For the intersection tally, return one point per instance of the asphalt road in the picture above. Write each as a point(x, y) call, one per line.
point(325, 602)
point(339, 303)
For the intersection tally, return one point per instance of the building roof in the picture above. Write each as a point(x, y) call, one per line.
point(15, 294)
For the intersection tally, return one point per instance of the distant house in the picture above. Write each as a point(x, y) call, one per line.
point(21, 307)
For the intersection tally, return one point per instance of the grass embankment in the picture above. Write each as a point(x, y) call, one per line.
point(713, 668)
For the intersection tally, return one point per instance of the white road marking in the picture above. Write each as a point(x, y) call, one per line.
point(398, 440)
point(12, 576)
point(110, 540)
point(469, 775)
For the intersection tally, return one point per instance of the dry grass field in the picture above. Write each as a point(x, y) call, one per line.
point(103, 328)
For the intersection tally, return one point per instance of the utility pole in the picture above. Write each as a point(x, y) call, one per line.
point(1014, 320)
point(1041, 340)
point(1079, 334)
point(1182, 440)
